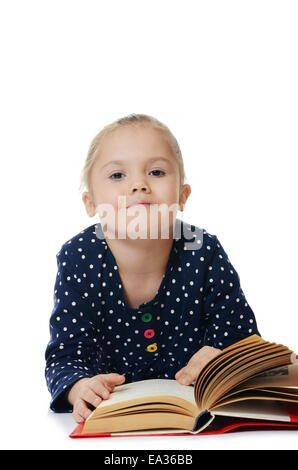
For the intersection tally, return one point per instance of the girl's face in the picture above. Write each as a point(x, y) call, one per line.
point(135, 163)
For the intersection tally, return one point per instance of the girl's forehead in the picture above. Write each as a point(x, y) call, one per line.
point(135, 134)
point(134, 140)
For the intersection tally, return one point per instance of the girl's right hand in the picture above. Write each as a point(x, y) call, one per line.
point(91, 391)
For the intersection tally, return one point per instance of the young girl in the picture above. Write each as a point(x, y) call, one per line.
point(129, 308)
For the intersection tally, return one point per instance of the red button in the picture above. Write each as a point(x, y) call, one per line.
point(149, 333)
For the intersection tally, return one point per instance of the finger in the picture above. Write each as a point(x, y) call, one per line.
point(185, 375)
point(294, 358)
point(80, 411)
point(179, 372)
point(100, 390)
point(91, 397)
point(103, 384)
point(110, 380)
point(190, 372)
point(113, 378)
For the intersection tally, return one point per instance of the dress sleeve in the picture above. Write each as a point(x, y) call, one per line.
point(71, 353)
point(227, 316)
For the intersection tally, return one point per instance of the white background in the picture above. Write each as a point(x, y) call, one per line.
point(223, 76)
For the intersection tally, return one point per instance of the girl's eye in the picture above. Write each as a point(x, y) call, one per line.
point(160, 171)
point(115, 175)
point(118, 173)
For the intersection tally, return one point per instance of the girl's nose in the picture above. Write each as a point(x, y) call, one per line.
point(139, 186)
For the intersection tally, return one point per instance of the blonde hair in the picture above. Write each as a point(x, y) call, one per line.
point(131, 119)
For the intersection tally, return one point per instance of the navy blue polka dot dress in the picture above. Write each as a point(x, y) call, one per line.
point(92, 331)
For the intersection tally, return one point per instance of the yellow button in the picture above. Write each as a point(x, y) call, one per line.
point(151, 347)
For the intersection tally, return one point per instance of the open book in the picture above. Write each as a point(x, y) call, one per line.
point(253, 380)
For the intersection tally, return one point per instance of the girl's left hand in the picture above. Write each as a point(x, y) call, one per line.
point(189, 373)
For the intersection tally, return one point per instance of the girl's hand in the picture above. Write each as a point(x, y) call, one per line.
point(91, 391)
point(189, 373)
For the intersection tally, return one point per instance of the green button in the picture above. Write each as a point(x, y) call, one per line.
point(146, 317)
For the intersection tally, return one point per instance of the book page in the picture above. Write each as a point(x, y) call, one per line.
point(149, 388)
point(285, 376)
point(255, 409)
point(236, 364)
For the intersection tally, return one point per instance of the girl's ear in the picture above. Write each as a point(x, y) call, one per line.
point(89, 204)
point(184, 195)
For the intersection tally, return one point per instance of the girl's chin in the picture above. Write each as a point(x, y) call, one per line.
point(137, 231)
